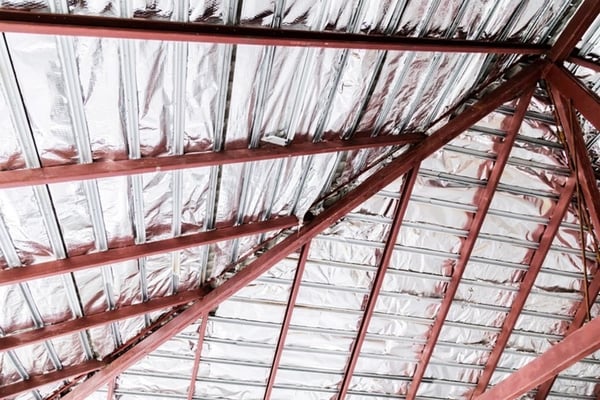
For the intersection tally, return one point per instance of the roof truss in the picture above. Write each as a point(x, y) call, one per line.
point(388, 174)
point(483, 202)
point(561, 79)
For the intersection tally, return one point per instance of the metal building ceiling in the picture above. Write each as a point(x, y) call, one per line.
point(302, 199)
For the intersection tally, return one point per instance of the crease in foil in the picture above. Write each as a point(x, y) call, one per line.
point(227, 351)
point(11, 154)
point(444, 390)
point(243, 332)
point(24, 222)
point(310, 379)
point(99, 66)
point(42, 83)
point(155, 96)
point(73, 214)
point(374, 386)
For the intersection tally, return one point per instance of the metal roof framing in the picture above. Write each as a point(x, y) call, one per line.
point(77, 263)
point(520, 299)
point(573, 348)
point(287, 319)
point(106, 169)
point(484, 201)
point(386, 257)
point(79, 25)
point(401, 165)
point(188, 307)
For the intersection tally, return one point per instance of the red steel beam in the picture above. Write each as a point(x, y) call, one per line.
point(591, 196)
point(576, 323)
point(483, 204)
point(48, 332)
point(287, 319)
point(14, 389)
point(369, 187)
point(577, 149)
point(584, 100)
point(535, 266)
point(401, 208)
point(147, 29)
point(584, 62)
point(573, 348)
point(110, 393)
point(575, 29)
point(77, 263)
point(201, 335)
point(106, 169)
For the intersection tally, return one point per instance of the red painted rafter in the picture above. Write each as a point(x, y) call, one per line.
point(110, 393)
point(111, 256)
point(201, 335)
point(9, 391)
point(535, 266)
point(574, 136)
point(575, 29)
point(48, 332)
point(591, 196)
point(287, 319)
point(483, 203)
point(385, 176)
point(105, 169)
point(401, 208)
point(584, 100)
point(147, 29)
point(585, 63)
point(573, 348)
point(576, 323)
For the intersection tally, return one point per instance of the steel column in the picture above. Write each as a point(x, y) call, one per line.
point(385, 176)
point(147, 29)
point(111, 256)
point(287, 319)
point(199, 344)
point(401, 208)
point(107, 169)
point(483, 202)
point(573, 348)
point(535, 266)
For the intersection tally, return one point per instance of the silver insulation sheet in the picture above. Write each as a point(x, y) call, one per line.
point(238, 349)
point(115, 99)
